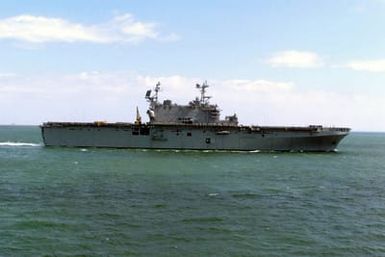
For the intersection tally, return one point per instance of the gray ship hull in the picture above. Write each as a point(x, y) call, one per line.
point(192, 136)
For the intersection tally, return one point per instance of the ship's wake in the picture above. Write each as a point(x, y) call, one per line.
point(18, 144)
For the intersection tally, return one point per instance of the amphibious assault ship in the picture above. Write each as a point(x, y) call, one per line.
point(196, 125)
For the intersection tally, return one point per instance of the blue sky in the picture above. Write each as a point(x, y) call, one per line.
point(273, 62)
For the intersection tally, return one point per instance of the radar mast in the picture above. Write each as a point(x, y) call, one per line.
point(202, 88)
point(153, 99)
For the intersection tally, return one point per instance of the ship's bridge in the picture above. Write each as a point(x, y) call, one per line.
point(197, 111)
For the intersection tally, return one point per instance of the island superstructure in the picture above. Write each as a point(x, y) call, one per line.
point(196, 126)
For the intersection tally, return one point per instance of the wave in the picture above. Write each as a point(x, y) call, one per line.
point(16, 144)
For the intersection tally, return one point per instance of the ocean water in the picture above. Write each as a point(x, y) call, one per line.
point(111, 202)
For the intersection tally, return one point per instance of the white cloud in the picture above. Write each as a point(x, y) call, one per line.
point(7, 75)
point(40, 29)
point(363, 6)
point(295, 59)
point(367, 65)
point(113, 96)
point(137, 30)
point(257, 85)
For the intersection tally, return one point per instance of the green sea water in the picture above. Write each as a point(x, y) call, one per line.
point(116, 202)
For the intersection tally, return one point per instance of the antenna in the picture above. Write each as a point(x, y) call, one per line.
point(157, 88)
point(154, 98)
point(204, 99)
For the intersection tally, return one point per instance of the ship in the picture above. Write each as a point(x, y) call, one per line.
point(194, 126)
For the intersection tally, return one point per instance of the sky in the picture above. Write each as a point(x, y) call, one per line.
point(276, 62)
